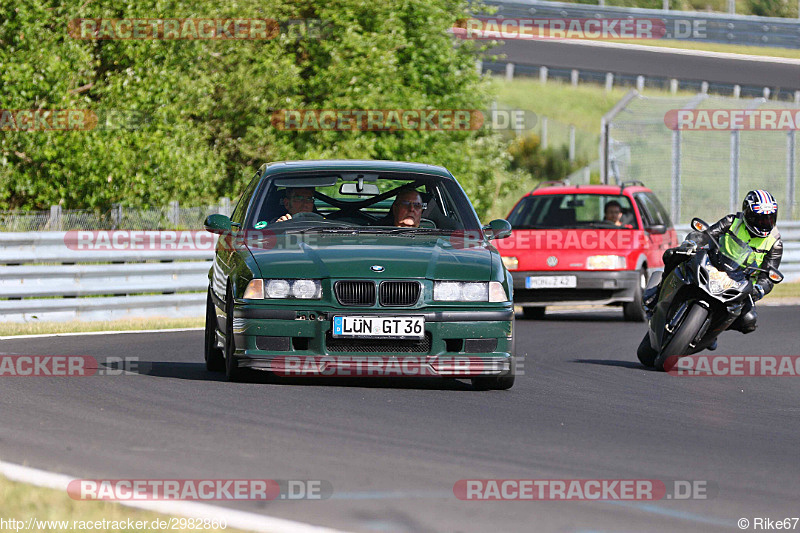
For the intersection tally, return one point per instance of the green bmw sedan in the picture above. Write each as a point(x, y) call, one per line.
point(359, 268)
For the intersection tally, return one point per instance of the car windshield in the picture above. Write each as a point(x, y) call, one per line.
point(362, 202)
point(550, 211)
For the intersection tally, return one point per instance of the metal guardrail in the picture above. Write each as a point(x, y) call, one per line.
point(716, 27)
point(172, 285)
point(43, 279)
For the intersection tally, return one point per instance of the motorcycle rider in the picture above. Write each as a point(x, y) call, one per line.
point(754, 225)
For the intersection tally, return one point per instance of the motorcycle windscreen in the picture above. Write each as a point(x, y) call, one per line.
point(735, 254)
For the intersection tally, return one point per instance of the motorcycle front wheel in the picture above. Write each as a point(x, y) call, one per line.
point(678, 345)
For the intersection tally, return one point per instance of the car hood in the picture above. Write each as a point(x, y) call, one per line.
point(317, 255)
point(568, 249)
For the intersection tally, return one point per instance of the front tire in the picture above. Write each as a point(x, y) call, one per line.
point(232, 370)
point(678, 345)
point(493, 383)
point(647, 355)
point(634, 311)
point(215, 357)
point(533, 313)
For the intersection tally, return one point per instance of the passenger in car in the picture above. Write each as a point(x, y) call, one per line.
point(407, 209)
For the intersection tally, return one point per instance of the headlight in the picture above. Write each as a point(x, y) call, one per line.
point(304, 289)
point(511, 263)
point(468, 291)
point(606, 262)
point(719, 281)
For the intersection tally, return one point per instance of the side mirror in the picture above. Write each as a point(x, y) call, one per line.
point(219, 224)
point(698, 224)
point(657, 229)
point(498, 229)
point(775, 276)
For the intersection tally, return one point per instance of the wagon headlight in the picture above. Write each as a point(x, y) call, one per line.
point(302, 289)
point(469, 291)
point(511, 263)
point(606, 262)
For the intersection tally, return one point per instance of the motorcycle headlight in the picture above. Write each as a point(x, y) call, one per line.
point(719, 281)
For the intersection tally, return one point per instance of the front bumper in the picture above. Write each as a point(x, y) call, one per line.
point(599, 287)
point(299, 342)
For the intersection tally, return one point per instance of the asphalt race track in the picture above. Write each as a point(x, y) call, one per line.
point(652, 63)
point(393, 449)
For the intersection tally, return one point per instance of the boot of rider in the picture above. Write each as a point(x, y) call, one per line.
point(650, 298)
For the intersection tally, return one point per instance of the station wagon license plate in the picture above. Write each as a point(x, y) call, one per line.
point(551, 282)
point(379, 327)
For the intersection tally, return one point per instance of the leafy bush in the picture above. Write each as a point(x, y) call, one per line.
point(208, 103)
point(550, 163)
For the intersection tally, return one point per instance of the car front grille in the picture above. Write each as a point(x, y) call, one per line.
point(399, 293)
point(378, 345)
point(354, 293)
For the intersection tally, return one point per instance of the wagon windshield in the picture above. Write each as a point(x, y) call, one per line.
point(553, 211)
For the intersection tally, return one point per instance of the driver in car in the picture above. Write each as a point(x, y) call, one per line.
point(613, 213)
point(297, 200)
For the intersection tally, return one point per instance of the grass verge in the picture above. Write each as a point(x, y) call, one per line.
point(785, 290)
point(35, 328)
point(20, 501)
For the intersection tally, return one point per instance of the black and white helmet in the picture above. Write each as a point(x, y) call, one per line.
point(760, 212)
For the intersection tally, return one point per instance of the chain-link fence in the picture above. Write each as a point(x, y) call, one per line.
point(702, 168)
point(171, 217)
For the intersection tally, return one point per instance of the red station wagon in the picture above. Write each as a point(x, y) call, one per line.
point(563, 251)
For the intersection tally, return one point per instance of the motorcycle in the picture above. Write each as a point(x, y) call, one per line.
point(699, 299)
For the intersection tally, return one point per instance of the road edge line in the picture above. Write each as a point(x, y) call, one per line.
point(235, 519)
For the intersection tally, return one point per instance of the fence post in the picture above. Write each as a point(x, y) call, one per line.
point(791, 161)
point(571, 143)
point(676, 176)
point(543, 75)
point(479, 66)
point(225, 206)
point(797, 93)
point(737, 91)
point(609, 82)
point(734, 185)
point(704, 87)
point(55, 223)
point(640, 83)
point(116, 215)
point(732, 7)
point(173, 215)
point(673, 86)
point(766, 93)
point(509, 71)
point(544, 133)
point(665, 5)
point(573, 77)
